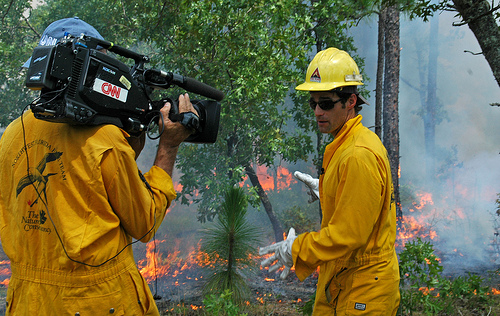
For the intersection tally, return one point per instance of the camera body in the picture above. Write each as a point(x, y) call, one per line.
point(80, 84)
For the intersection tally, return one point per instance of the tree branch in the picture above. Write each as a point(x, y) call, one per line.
point(476, 17)
point(410, 85)
point(8, 9)
point(31, 27)
point(468, 51)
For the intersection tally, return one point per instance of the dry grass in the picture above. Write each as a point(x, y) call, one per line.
point(472, 307)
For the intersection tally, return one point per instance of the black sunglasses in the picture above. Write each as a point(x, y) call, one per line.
point(325, 105)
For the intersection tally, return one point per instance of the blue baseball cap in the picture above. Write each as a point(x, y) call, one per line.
point(56, 30)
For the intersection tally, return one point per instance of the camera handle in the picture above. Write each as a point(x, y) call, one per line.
point(188, 119)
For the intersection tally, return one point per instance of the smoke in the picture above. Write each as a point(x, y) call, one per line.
point(467, 158)
point(467, 153)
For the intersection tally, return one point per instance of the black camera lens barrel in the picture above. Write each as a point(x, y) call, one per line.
point(163, 80)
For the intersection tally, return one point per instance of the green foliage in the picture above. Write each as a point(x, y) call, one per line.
point(465, 287)
point(419, 266)
point(254, 51)
point(15, 49)
point(229, 242)
point(221, 305)
point(248, 50)
point(308, 307)
point(423, 288)
point(296, 217)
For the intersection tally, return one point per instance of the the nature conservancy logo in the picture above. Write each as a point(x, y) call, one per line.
point(35, 220)
point(38, 178)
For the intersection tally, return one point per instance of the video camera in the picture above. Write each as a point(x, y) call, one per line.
point(80, 84)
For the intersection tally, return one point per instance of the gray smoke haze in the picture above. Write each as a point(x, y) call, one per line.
point(464, 192)
point(463, 196)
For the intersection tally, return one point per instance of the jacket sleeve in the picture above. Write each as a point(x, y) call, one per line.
point(352, 211)
point(140, 201)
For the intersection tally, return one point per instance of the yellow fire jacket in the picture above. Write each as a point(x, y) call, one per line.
point(71, 200)
point(354, 249)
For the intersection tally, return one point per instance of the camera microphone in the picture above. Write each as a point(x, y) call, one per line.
point(163, 79)
point(201, 88)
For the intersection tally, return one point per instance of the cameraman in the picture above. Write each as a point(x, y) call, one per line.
point(71, 201)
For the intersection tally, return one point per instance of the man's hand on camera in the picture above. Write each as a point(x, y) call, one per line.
point(174, 133)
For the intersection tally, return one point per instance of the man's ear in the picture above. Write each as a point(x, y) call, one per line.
point(351, 102)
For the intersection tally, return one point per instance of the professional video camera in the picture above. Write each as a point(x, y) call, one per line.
point(80, 84)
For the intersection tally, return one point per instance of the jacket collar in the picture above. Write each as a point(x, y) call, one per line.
point(346, 130)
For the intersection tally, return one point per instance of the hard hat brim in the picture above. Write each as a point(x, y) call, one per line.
point(327, 86)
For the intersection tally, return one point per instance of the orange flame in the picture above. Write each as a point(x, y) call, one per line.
point(426, 290)
point(178, 187)
point(5, 272)
point(282, 181)
point(416, 224)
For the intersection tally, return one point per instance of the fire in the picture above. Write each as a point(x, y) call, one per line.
point(175, 266)
point(411, 227)
point(285, 177)
point(5, 272)
point(194, 307)
point(156, 266)
point(426, 290)
point(425, 199)
point(418, 221)
point(178, 187)
point(281, 182)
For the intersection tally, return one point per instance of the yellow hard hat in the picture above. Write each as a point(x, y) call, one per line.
point(331, 68)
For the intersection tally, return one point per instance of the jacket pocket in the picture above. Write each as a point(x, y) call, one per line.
point(334, 287)
point(374, 292)
point(107, 304)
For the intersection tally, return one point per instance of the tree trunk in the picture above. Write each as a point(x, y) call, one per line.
point(278, 230)
point(432, 104)
point(391, 92)
point(479, 16)
point(319, 145)
point(380, 73)
point(319, 165)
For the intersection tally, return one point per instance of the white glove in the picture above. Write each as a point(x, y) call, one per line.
point(282, 253)
point(311, 183)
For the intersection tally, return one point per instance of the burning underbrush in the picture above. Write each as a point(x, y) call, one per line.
point(463, 233)
point(465, 237)
point(178, 279)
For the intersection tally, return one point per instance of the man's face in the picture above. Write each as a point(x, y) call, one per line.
point(330, 121)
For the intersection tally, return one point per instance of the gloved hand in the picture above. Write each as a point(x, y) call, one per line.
point(282, 253)
point(311, 183)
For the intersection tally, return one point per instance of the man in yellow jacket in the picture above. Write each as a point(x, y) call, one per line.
point(354, 249)
point(71, 200)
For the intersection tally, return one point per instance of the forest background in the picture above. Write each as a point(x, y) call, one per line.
point(256, 52)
